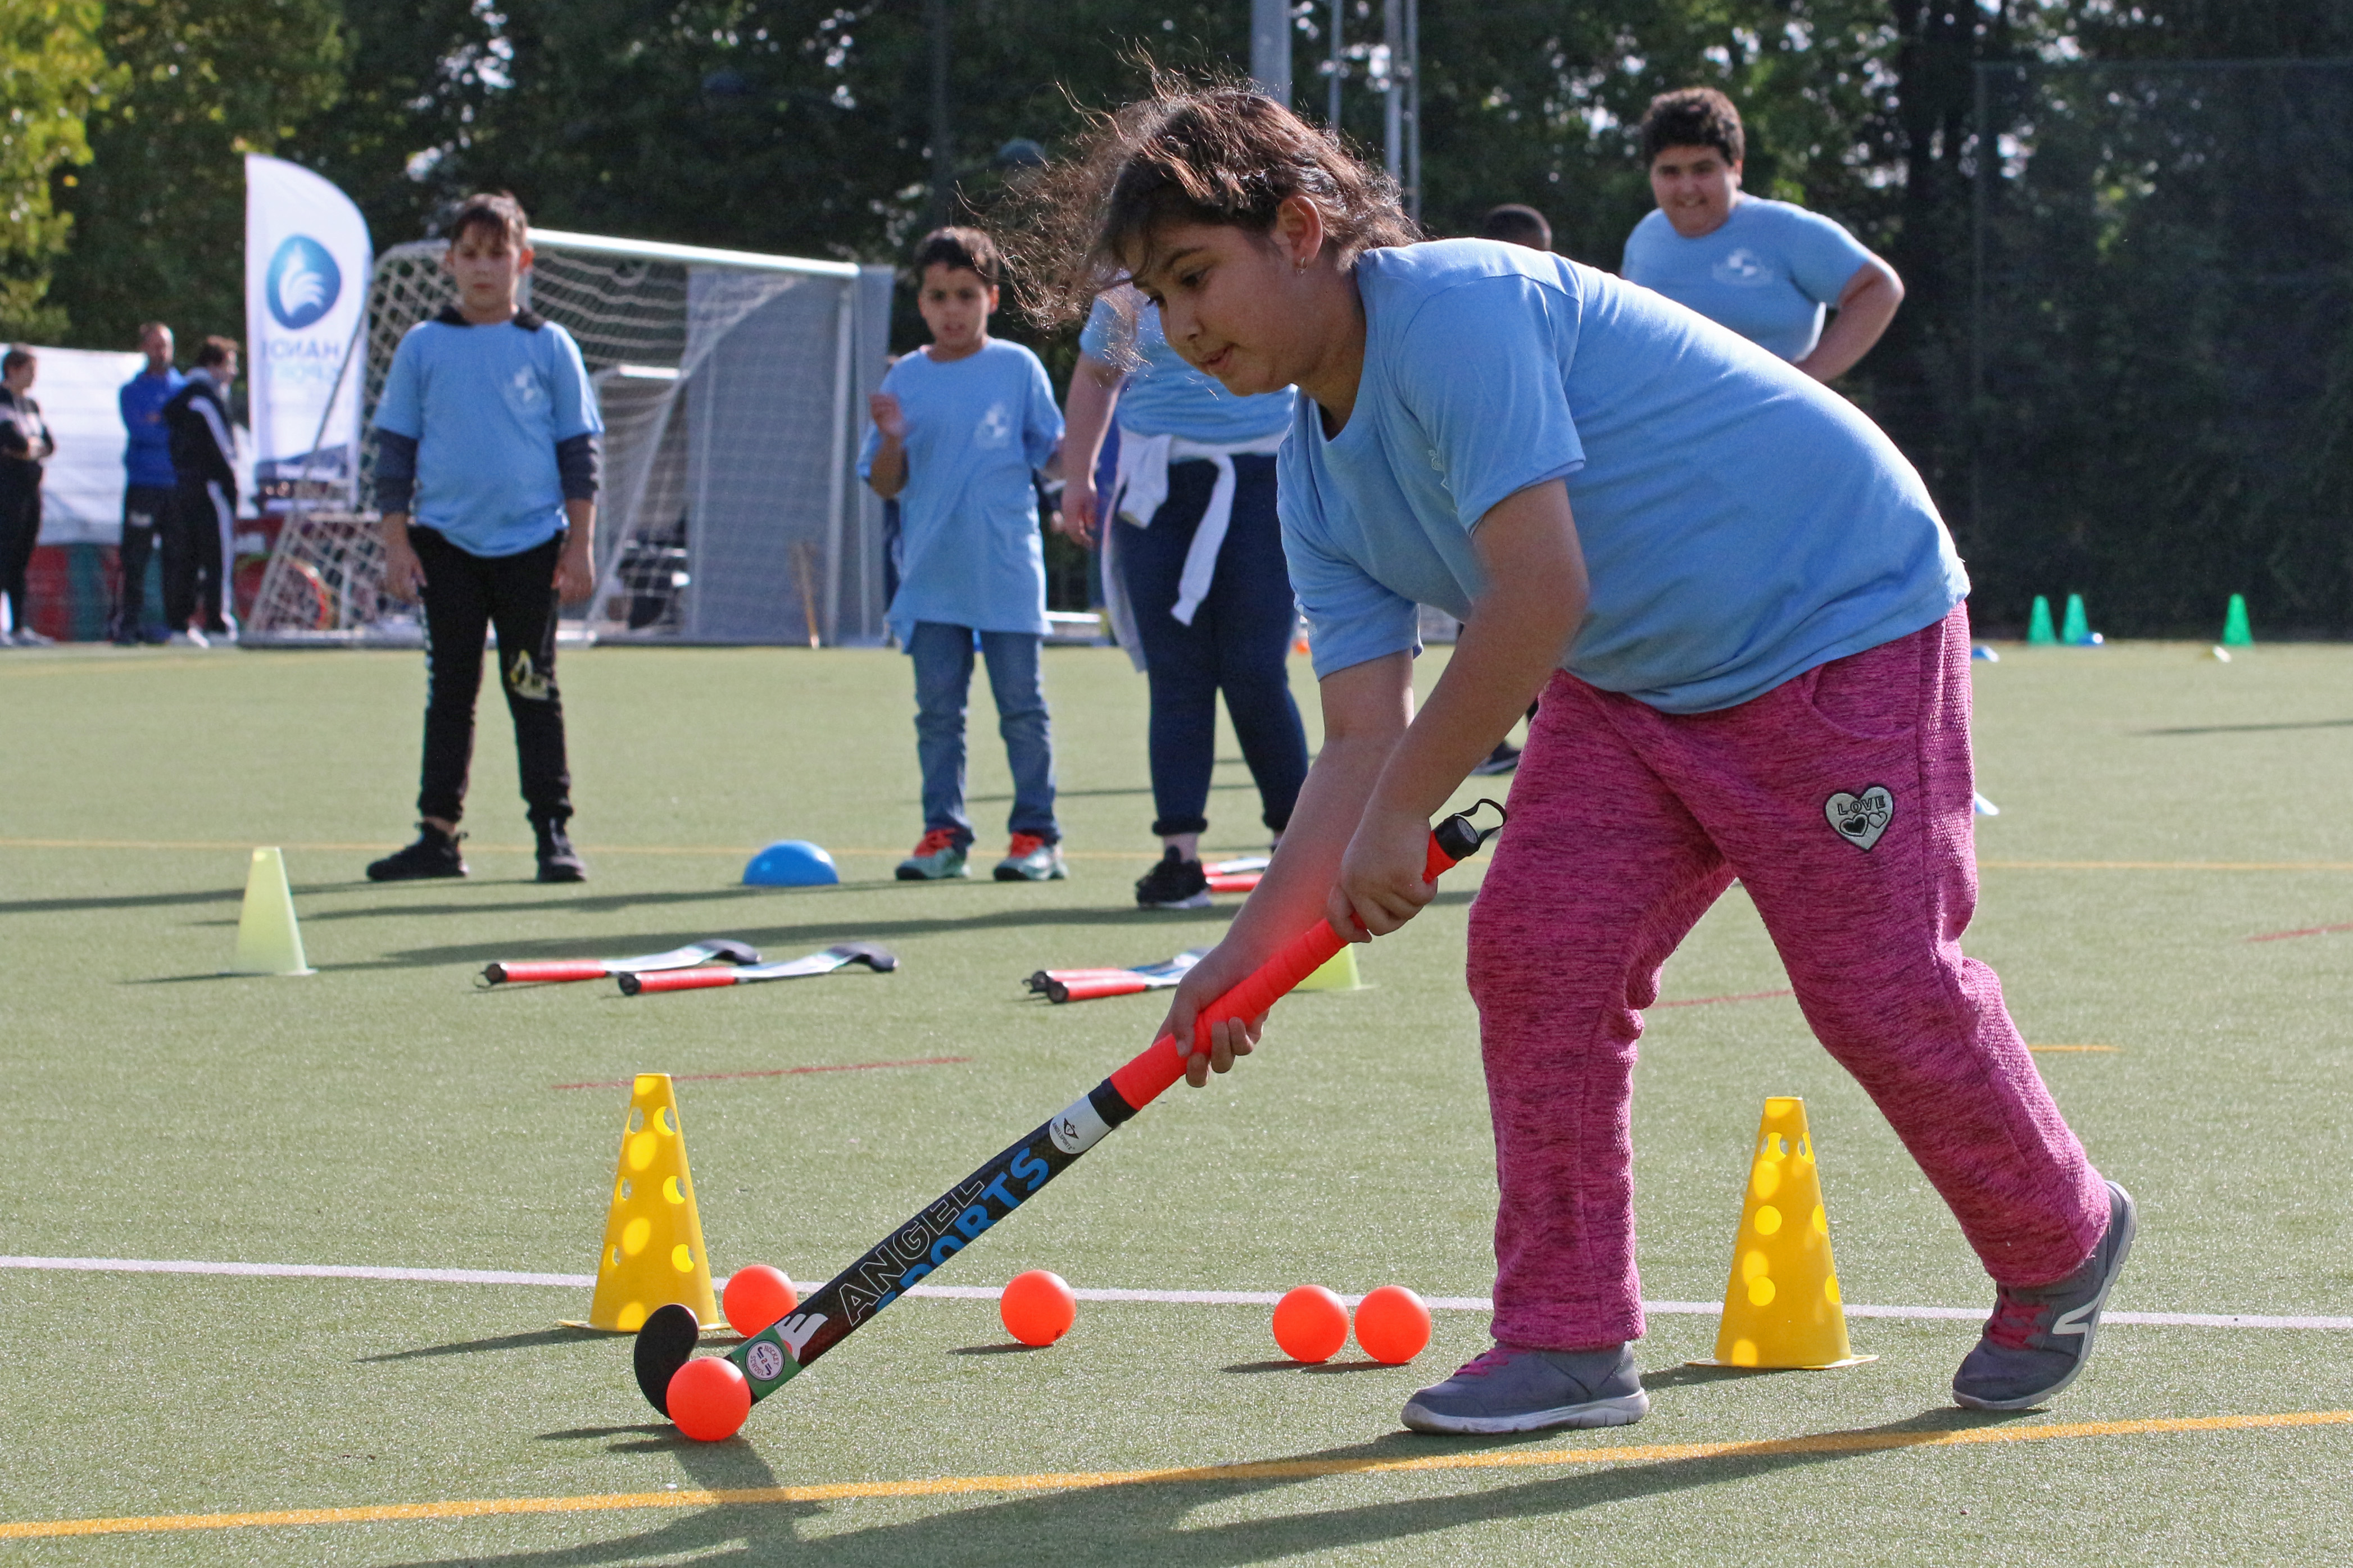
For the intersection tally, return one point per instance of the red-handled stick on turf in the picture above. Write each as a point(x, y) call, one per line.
point(924, 1243)
point(1145, 1079)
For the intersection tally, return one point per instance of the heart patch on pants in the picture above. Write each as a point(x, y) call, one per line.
point(1860, 819)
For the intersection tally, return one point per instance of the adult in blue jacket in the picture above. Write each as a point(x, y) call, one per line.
point(148, 496)
point(1767, 269)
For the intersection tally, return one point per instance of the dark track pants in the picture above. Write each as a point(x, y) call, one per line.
point(146, 513)
point(192, 568)
point(465, 595)
point(20, 527)
point(1238, 643)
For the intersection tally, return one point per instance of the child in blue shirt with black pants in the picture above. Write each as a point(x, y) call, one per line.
point(958, 427)
point(487, 451)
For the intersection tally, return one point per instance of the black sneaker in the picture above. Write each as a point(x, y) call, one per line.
point(1501, 760)
point(558, 861)
point(434, 854)
point(1176, 883)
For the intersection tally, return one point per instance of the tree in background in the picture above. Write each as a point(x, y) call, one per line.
point(52, 75)
point(160, 212)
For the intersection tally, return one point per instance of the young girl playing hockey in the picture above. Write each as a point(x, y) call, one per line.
point(1744, 619)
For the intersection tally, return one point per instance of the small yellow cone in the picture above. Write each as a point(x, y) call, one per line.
point(1781, 1309)
point(268, 941)
point(653, 1252)
point(1337, 973)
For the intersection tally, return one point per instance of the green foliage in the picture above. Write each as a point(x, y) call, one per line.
point(161, 213)
point(52, 74)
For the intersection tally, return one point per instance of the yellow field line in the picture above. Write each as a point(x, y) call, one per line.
point(2074, 1047)
point(1272, 1470)
point(2167, 865)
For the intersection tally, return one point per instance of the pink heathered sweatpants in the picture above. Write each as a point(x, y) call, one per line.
point(1841, 800)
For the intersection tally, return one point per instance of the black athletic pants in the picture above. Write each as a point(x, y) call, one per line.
point(20, 527)
point(465, 595)
point(192, 557)
point(146, 510)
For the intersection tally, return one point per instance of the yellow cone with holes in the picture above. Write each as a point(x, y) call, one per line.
point(1782, 1308)
point(653, 1252)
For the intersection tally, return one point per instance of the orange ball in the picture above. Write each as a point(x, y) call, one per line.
point(708, 1399)
point(1392, 1325)
point(1038, 1307)
point(756, 1297)
point(1311, 1324)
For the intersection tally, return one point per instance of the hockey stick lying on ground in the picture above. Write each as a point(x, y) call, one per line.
point(879, 958)
point(597, 968)
point(1235, 876)
point(773, 1357)
point(1086, 984)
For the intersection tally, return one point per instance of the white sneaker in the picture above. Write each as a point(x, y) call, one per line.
point(27, 637)
point(188, 639)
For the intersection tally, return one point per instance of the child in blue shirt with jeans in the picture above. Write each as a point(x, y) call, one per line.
point(958, 426)
point(485, 469)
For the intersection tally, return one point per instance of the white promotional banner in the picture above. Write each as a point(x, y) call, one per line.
point(307, 266)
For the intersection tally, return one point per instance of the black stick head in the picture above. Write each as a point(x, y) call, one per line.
point(881, 960)
point(664, 1344)
point(729, 950)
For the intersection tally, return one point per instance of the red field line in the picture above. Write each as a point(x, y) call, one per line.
point(1744, 996)
point(2309, 930)
point(775, 1072)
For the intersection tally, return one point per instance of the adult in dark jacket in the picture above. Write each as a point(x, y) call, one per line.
point(24, 445)
point(204, 461)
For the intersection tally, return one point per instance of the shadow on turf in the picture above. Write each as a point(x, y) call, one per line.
point(2248, 729)
point(1009, 1347)
point(532, 1340)
point(145, 900)
point(1154, 1521)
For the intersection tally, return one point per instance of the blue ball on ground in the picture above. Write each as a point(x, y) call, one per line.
point(791, 863)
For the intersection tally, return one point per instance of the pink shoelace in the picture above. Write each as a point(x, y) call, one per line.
point(1493, 1359)
point(2015, 1321)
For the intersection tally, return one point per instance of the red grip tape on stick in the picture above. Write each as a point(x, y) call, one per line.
point(684, 979)
point(577, 969)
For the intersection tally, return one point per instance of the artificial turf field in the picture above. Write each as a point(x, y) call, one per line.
point(2159, 810)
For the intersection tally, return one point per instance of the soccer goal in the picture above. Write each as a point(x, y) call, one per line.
point(733, 390)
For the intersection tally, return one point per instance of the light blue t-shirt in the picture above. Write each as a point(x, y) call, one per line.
point(486, 407)
point(1741, 523)
point(1166, 397)
point(1766, 272)
point(968, 516)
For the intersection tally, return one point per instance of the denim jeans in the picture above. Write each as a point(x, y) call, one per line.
point(942, 657)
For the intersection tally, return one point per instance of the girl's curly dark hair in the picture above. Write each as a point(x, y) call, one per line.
point(1216, 153)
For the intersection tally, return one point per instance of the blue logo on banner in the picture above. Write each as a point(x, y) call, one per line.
point(303, 283)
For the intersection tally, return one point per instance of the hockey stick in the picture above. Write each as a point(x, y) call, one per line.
point(597, 968)
point(773, 1357)
point(1085, 985)
point(879, 958)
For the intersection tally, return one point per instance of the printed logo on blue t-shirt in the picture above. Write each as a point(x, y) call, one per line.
point(524, 394)
point(303, 283)
point(996, 427)
point(1743, 268)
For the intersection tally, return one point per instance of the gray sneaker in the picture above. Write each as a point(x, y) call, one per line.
point(1506, 1390)
point(2038, 1338)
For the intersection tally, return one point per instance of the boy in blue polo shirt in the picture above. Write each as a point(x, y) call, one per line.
point(958, 426)
point(487, 451)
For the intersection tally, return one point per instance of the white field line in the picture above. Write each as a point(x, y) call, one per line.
point(990, 1292)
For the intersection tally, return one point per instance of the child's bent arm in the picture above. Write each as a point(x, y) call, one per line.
point(1367, 707)
point(1519, 628)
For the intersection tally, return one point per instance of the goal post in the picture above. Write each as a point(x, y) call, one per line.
point(733, 386)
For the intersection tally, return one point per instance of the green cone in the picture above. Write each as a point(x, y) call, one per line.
point(2236, 633)
point(2078, 629)
point(2038, 629)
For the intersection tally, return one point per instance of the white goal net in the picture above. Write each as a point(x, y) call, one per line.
point(733, 390)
